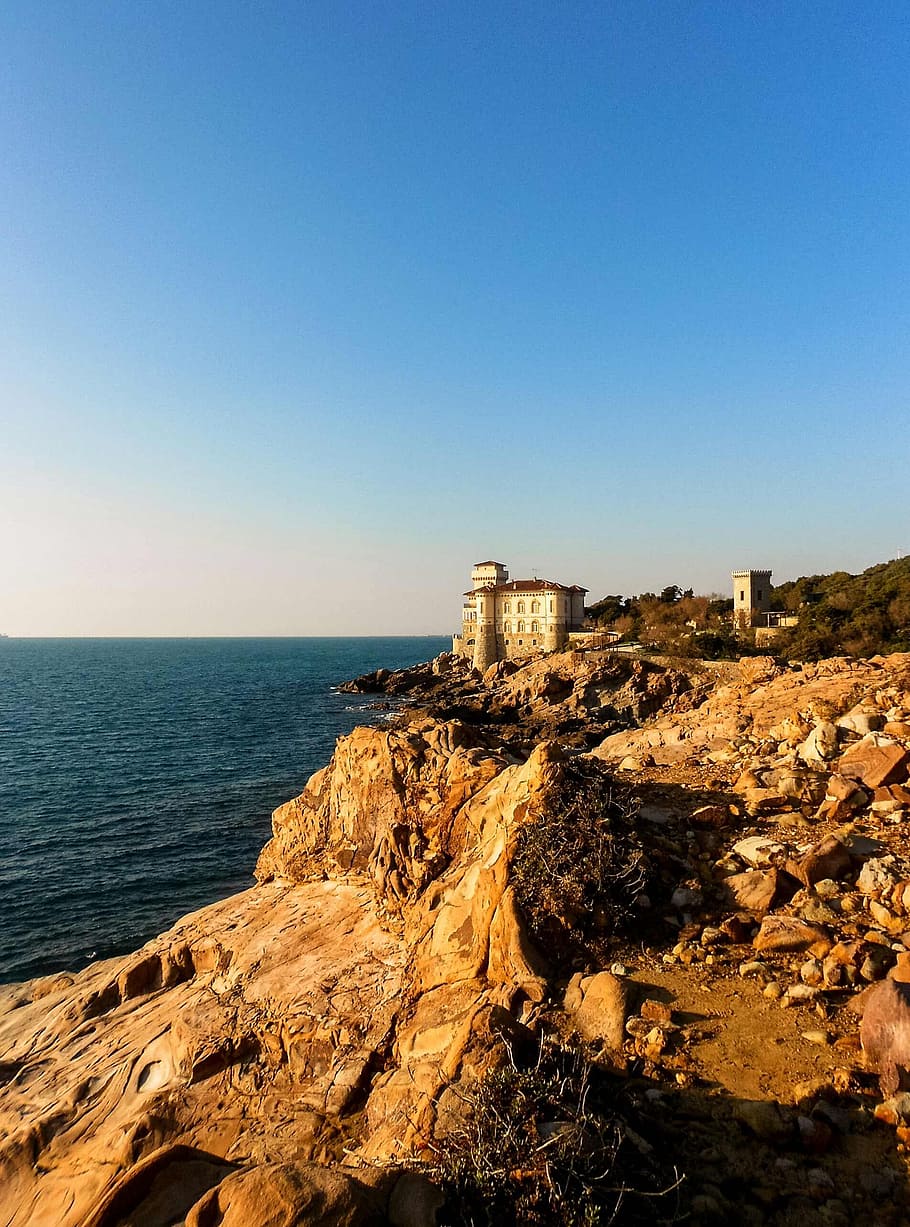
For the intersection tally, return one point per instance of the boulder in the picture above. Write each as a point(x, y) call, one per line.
point(861, 720)
point(820, 745)
point(828, 859)
point(601, 1017)
point(885, 1032)
point(284, 1195)
point(875, 764)
point(759, 890)
point(754, 670)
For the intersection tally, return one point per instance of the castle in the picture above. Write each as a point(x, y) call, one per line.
point(503, 619)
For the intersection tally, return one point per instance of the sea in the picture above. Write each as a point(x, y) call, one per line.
point(138, 776)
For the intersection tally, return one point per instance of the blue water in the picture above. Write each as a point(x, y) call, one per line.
point(138, 776)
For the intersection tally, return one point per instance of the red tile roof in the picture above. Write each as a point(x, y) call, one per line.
point(528, 585)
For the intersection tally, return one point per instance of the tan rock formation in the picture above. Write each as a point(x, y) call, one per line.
point(324, 1018)
point(382, 933)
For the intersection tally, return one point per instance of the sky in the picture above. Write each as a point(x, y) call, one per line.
point(307, 307)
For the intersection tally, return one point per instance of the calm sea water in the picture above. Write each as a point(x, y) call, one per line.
point(138, 776)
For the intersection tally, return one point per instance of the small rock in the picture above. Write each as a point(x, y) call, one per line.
point(767, 1121)
point(815, 1135)
point(753, 968)
point(811, 973)
point(894, 1111)
point(816, 1037)
point(788, 933)
point(799, 994)
point(758, 850)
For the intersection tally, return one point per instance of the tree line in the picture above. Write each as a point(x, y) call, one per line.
point(839, 615)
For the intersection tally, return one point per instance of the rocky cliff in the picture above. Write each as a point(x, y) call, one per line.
point(687, 907)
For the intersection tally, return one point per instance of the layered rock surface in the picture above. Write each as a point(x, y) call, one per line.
point(275, 1057)
point(347, 986)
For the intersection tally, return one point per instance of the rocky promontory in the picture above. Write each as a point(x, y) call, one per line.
point(592, 936)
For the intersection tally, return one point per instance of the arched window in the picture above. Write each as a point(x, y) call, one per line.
point(535, 627)
point(521, 628)
point(507, 608)
point(521, 606)
point(508, 628)
point(535, 607)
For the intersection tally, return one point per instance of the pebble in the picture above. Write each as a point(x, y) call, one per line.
point(816, 1037)
point(827, 888)
point(753, 968)
point(799, 994)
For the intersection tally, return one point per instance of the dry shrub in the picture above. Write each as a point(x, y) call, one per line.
point(546, 1145)
point(580, 870)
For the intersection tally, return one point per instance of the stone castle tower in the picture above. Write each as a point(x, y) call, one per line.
point(485, 648)
point(751, 597)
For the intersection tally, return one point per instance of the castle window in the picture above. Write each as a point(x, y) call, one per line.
point(535, 627)
point(742, 596)
point(520, 642)
point(521, 627)
point(521, 606)
point(551, 607)
point(534, 643)
point(507, 607)
point(535, 607)
point(508, 628)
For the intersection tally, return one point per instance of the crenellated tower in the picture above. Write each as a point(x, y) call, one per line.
point(751, 597)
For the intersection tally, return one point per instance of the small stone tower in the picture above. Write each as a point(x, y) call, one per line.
point(488, 573)
point(485, 651)
point(751, 597)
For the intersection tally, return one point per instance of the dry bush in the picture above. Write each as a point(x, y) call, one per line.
point(580, 870)
point(547, 1145)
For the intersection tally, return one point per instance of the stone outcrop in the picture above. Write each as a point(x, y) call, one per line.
point(381, 951)
point(277, 1057)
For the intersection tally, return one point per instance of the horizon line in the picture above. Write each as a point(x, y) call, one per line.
point(420, 635)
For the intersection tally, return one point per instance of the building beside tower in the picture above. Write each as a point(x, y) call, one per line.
point(752, 606)
point(503, 619)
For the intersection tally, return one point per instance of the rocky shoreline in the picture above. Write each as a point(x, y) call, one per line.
point(685, 892)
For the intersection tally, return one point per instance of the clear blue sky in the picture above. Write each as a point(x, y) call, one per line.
point(305, 308)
